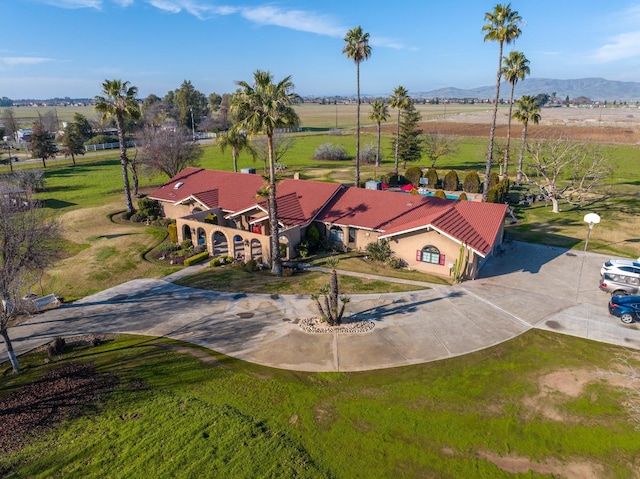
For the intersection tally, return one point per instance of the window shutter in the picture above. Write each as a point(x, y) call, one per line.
point(418, 255)
point(441, 262)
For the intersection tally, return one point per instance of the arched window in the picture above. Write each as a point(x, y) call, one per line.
point(430, 254)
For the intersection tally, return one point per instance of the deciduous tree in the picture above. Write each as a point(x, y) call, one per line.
point(29, 243)
point(437, 145)
point(168, 151)
point(564, 170)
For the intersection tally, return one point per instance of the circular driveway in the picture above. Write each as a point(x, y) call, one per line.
point(527, 286)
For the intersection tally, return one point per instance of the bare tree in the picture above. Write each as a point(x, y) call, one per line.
point(168, 151)
point(281, 144)
point(29, 243)
point(436, 145)
point(565, 171)
point(10, 123)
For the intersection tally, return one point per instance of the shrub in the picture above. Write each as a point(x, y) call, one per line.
point(413, 175)
point(494, 179)
point(28, 179)
point(329, 151)
point(379, 250)
point(368, 153)
point(196, 258)
point(313, 237)
point(56, 348)
point(392, 179)
point(149, 208)
point(451, 181)
point(440, 194)
point(100, 139)
point(199, 248)
point(186, 244)
point(215, 262)
point(395, 262)
point(498, 192)
point(432, 178)
point(167, 247)
point(138, 217)
point(463, 196)
point(172, 229)
point(251, 265)
point(471, 183)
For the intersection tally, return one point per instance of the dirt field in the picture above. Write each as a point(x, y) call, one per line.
point(601, 125)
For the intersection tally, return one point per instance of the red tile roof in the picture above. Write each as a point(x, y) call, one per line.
point(299, 201)
point(473, 223)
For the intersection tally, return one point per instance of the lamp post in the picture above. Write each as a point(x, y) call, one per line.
point(592, 219)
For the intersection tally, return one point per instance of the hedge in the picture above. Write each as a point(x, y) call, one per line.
point(196, 258)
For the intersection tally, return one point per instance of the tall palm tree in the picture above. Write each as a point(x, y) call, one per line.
point(527, 110)
point(516, 67)
point(400, 100)
point(379, 113)
point(265, 106)
point(503, 26)
point(357, 48)
point(119, 101)
point(236, 140)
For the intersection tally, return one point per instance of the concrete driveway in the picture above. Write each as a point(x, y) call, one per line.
point(529, 286)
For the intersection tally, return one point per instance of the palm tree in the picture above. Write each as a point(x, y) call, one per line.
point(400, 100)
point(528, 110)
point(503, 26)
point(516, 67)
point(237, 140)
point(357, 48)
point(120, 103)
point(379, 113)
point(265, 106)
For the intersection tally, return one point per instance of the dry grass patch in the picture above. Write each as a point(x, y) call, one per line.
point(110, 253)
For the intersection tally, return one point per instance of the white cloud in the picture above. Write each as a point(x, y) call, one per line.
point(193, 7)
point(17, 61)
point(294, 20)
point(97, 4)
point(625, 45)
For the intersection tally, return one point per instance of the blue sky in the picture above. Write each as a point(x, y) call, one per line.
point(68, 47)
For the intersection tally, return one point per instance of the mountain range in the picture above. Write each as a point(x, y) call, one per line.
point(596, 89)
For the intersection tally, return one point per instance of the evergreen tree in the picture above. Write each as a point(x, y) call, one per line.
point(409, 140)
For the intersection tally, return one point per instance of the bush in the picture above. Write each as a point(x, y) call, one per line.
point(172, 230)
point(56, 348)
point(126, 215)
point(463, 196)
point(196, 258)
point(432, 177)
point(329, 151)
point(440, 194)
point(451, 181)
point(498, 193)
point(471, 183)
point(379, 250)
point(186, 244)
point(368, 153)
point(251, 265)
point(413, 175)
point(215, 262)
point(395, 262)
point(167, 247)
point(138, 217)
point(392, 179)
point(149, 208)
point(494, 179)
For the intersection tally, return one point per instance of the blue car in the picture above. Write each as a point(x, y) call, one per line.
point(627, 308)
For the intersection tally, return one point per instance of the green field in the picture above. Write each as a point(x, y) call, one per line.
point(180, 412)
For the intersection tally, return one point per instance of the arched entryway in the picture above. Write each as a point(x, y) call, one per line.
point(201, 237)
point(238, 247)
point(220, 244)
point(186, 232)
point(284, 247)
point(255, 249)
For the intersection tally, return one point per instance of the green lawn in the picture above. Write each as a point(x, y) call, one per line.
point(176, 416)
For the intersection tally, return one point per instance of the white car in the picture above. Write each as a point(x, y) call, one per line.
point(621, 266)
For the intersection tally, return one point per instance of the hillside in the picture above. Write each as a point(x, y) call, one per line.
point(597, 89)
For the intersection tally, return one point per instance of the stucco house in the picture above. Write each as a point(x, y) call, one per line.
point(222, 211)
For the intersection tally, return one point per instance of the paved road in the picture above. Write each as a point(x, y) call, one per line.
point(529, 286)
